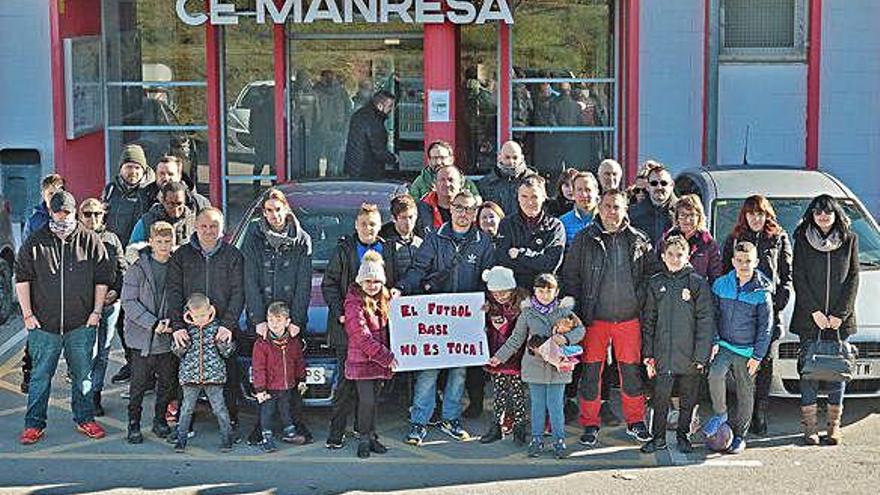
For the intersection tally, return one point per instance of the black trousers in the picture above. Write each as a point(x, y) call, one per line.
point(143, 369)
point(475, 383)
point(688, 387)
point(232, 388)
point(368, 406)
point(345, 400)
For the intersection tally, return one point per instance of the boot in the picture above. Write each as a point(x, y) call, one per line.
point(96, 402)
point(834, 414)
point(759, 418)
point(493, 435)
point(520, 434)
point(808, 422)
point(161, 428)
point(376, 446)
point(363, 450)
point(134, 433)
point(268, 444)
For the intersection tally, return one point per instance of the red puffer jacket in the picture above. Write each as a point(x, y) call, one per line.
point(278, 365)
point(368, 355)
point(500, 322)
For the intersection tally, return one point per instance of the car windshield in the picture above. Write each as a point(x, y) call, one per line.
point(789, 213)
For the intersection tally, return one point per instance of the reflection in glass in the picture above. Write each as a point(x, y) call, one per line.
point(479, 63)
point(550, 152)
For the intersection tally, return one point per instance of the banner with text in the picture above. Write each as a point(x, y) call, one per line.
point(438, 331)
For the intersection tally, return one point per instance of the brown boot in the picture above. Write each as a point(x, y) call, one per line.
point(808, 423)
point(834, 435)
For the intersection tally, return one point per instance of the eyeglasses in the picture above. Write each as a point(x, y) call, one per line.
point(664, 183)
point(90, 214)
point(462, 209)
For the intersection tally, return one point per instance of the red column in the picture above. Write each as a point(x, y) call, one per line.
point(814, 58)
point(505, 74)
point(631, 89)
point(279, 34)
point(441, 73)
point(214, 114)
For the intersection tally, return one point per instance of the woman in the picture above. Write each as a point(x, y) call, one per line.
point(489, 217)
point(756, 223)
point(563, 202)
point(690, 223)
point(826, 281)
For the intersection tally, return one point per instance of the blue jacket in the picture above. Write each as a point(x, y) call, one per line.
point(574, 222)
point(445, 265)
point(38, 219)
point(744, 315)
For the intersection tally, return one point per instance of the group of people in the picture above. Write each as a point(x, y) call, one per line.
point(595, 286)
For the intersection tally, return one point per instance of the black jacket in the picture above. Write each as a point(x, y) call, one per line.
point(404, 249)
point(774, 261)
point(541, 247)
point(116, 255)
point(366, 151)
point(678, 321)
point(63, 276)
point(584, 266)
point(502, 189)
point(445, 264)
point(341, 271)
point(219, 275)
point(282, 274)
point(651, 219)
point(826, 282)
point(184, 227)
point(126, 204)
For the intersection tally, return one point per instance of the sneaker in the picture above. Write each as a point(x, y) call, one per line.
point(455, 430)
point(738, 446)
point(416, 435)
point(172, 437)
point(30, 436)
point(684, 444)
point(536, 446)
point(376, 446)
point(305, 432)
point(268, 443)
point(653, 445)
point(639, 431)
point(590, 437)
point(161, 429)
point(290, 435)
point(180, 445)
point(91, 429)
point(715, 422)
point(123, 375)
point(559, 451)
point(334, 441)
point(134, 435)
point(235, 431)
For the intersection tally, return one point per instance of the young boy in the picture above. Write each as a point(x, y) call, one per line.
point(202, 368)
point(147, 332)
point(744, 310)
point(279, 371)
point(677, 328)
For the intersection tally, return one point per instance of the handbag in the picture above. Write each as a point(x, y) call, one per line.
point(828, 360)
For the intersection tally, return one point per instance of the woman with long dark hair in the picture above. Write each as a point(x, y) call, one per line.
point(826, 281)
point(757, 224)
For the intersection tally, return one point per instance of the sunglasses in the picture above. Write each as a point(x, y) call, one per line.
point(664, 183)
point(91, 214)
point(823, 211)
point(639, 190)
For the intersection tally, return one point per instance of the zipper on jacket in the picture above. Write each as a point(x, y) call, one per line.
point(284, 365)
point(63, 268)
point(827, 282)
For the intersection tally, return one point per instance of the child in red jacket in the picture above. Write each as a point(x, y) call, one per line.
point(279, 371)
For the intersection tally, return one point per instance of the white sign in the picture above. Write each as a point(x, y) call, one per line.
point(438, 105)
point(438, 331)
point(348, 11)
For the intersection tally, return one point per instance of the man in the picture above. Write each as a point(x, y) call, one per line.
point(209, 265)
point(500, 185)
point(440, 154)
point(604, 272)
point(62, 273)
point(366, 151)
point(610, 175)
point(400, 232)
point(656, 216)
point(586, 198)
point(434, 208)
point(530, 241)
point(335, 106)
point(172, 208)
point(451, 260)
point(169, 169)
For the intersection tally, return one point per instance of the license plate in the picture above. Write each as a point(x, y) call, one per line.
point(316, 376)
point(863, 368)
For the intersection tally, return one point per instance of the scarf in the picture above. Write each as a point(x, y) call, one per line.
point(510, 172)
point(275, 239)
point(544, 309)
point(821, 243)
point(279, 340)
point(64, 228)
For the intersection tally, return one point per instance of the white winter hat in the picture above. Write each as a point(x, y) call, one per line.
point(372, 267)
point(499, 278)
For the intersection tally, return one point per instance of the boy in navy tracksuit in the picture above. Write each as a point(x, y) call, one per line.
point(744, 310)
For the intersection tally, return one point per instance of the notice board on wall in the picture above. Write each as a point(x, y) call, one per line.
point(83, 85)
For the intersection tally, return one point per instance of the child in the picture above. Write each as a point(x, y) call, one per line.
point(745, 322)
point(540, 316)
point(369, 361)
point(511, 394)
point(202, 368)
point(279, 370)
point(147, 332)
point(677, 328)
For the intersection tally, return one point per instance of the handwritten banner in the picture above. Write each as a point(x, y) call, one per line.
point(438, 331)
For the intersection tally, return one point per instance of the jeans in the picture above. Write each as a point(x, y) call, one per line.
point(745, 389)
point(143, 368)
point(549, 399)
point(279, 400)
point(45, 349)
point(218, 405)
point(101, 352)
point(426, 390)
point(810, 392)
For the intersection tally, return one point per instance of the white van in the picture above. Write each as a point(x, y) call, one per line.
point(723, 190)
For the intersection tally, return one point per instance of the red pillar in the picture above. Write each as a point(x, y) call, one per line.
point(631, 88)
point(441, 73)
point(279, 34)
point(814, 59)
point(505, 74)
point(214, 114)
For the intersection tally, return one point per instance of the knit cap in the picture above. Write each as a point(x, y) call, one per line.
point(499, 278)
point(133, 153)
point(372, 267)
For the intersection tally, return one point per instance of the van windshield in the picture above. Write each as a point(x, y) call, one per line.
point(789, 212)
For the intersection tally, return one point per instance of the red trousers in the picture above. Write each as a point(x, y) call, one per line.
point(625, 339)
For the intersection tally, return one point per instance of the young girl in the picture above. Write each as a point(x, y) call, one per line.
point(541, 315)
point(511, 395)
point(369, 360)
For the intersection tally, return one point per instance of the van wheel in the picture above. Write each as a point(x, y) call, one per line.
point(6, 305)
